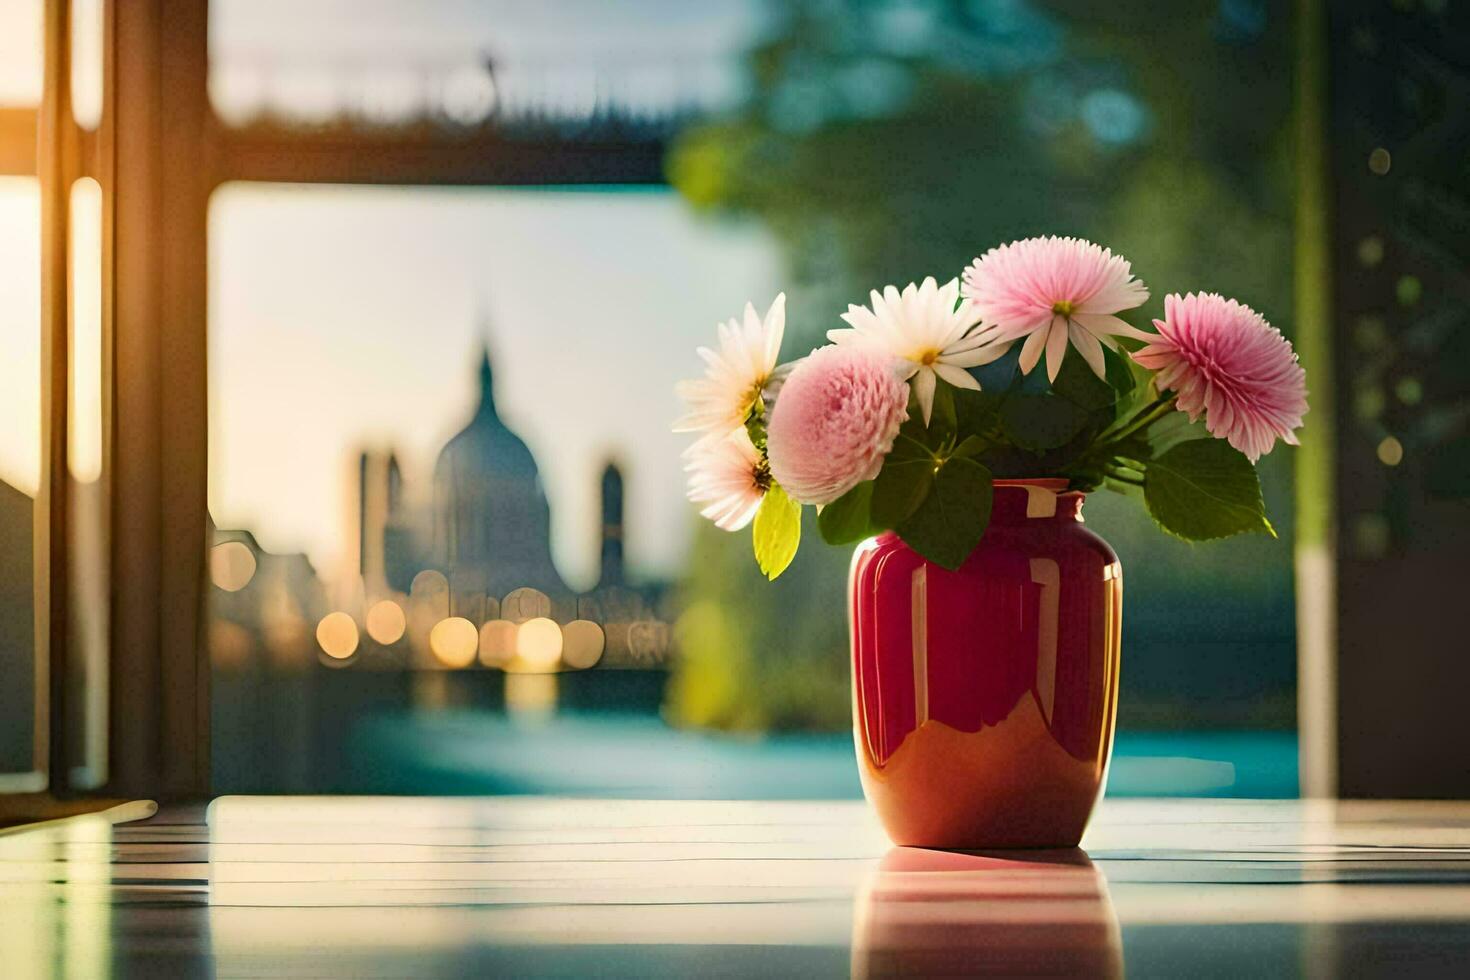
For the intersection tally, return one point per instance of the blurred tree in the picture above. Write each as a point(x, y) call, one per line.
point(884, 141)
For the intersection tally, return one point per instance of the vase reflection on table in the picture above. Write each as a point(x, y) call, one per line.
point(984, 699)
point(925, 913)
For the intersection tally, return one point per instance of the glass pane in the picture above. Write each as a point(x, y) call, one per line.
point(20, 461)
point(20, 52)
point(86, 62)
point(380, 518)
point(435, 476)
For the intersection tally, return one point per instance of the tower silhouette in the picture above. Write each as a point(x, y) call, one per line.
point(612, 526)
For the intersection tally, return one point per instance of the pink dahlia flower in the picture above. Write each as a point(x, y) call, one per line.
point(836, 419)
point(1054, 292)
point(1227, 362)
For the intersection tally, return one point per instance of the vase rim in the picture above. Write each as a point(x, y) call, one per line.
point(1052, 483)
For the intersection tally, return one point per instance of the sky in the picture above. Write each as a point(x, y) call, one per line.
point(343, 318)
point(350, 317)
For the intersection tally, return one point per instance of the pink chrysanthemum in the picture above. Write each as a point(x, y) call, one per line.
point(836, 419)
point(1054, 291)
point(1227, 362)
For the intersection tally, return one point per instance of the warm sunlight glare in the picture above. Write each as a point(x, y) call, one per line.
point(20, 326)
point(84, 419)
point(538, 644)
point(530, 695)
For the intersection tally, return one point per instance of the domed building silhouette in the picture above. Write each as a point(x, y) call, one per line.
point(491, 521)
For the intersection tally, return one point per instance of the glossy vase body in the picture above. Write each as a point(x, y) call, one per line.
point(984, 699)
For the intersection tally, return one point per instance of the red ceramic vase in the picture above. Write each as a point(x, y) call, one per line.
point(984, 698)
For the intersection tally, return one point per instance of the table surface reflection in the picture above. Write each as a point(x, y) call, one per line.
point(415, 887)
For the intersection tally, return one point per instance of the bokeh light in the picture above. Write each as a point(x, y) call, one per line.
point(582, 644)
point(538, 644)
point(386, 622)
point(231, 565)
point(336, 634)
point(1390, 451)
point(524, 604)
point(497, 642)
point(468, 95)
point(454, 641)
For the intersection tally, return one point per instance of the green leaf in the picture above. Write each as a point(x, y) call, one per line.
point(1038, 422)
point(942, 418)
point(1122, 376)
point(1204, 490)
point(912, 430)
point(1171, 430)
point(755, 427)
point(901, 487)
point(906, 447)
point(952, 519)
point(971, 446)
point(1077, 384)
point(776, 532)
point(1126, 489)
point(849, 518)
point(975, 411)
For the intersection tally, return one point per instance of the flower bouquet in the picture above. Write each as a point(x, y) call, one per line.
point(932, 393)
point(985, 618)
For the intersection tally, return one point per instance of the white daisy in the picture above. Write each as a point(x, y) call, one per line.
point(729, 476)
point(923, 329)
point(735, 375)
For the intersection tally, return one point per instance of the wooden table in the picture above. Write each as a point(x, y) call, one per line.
point(414, 887)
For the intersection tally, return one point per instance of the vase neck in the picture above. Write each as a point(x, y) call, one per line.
point(1021, 501)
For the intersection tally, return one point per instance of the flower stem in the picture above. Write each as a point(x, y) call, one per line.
point(1124, 476)
point(1150, 414)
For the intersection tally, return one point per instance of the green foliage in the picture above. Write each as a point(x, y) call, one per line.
point(903, 483)
point(1041, 422)
point(776, 531)
point(977, 413)
point(953, 515)
point(756, 657)
point(994, 147)
point(1204, 490)
point(849, 518)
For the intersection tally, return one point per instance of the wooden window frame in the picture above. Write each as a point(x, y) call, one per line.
point(158, 154)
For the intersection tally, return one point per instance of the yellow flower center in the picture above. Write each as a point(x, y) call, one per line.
point(754, 393)
point(928, 357)
point(1063, 306)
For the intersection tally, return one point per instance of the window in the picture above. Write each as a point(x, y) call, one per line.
point(20, 390)
point(416, 394)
